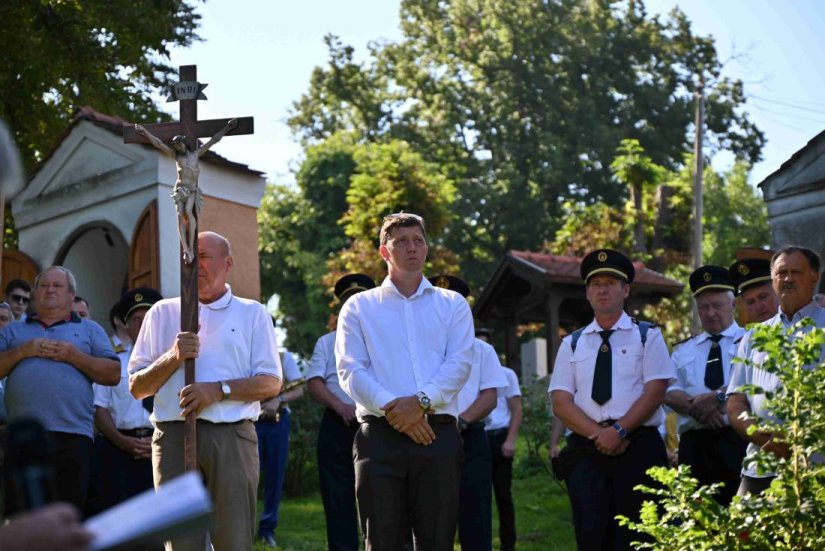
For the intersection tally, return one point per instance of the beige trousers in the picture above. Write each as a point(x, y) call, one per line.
point(228, 461)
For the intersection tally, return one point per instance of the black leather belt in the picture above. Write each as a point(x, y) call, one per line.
point(496, 432)
point(137, 433)
point(433, 419)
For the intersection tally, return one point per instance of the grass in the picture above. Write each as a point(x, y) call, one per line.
point(543, 518)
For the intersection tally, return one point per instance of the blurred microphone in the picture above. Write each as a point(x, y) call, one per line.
point(29, 460)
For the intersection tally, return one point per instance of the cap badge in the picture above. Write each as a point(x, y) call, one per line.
point(442, 282)
point(744, 270)
point(138, 297)
point(602, 256)
point(707, 276)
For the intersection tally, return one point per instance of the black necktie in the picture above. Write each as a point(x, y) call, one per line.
point(603, 376)
point(713, 369)
point(149, 403)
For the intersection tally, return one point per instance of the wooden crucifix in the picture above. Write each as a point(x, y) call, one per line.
point(179, 140)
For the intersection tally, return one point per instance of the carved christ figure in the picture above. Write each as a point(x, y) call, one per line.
point(186, 193)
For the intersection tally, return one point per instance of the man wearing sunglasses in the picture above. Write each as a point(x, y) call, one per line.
point(403, 351)
point(18, 296)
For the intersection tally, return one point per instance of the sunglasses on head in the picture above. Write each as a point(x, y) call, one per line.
point(20, 298)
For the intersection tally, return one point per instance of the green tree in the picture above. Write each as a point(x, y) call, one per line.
point(299, 231)
point(791, 513)
point(524, 103)
point(60, 55)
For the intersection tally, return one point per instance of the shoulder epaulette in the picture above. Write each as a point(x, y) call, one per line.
point(574, 337)
point(644, 326)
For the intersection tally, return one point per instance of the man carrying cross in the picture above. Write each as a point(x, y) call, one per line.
point(238, 366)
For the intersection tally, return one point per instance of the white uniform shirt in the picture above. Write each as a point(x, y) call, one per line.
point(291, 370)
point(127, 412)
point(237, 340)
point(691, 358)
point(633, 365)
point(500, 417)
point(322, 364)
point(751, 374)
point(485, 372)
point(388, 346)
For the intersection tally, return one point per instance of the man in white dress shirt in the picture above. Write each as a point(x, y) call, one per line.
point(237, 367)
point(403, 351)
point(336, 473)
point(707, 444)
point(608, 387)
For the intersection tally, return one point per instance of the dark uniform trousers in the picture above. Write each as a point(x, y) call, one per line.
point(475, 511)
point(336, 474)
point(399, 484)
point(122, 476)
point(601, 487)
point(502, 486)
point(714, 456)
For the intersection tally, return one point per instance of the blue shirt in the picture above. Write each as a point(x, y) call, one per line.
point(55, 393)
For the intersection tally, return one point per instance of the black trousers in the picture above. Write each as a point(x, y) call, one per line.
point(601, 487)
point(336, 473)
point(399, 484)
point(71, 465)
point(121, 475)
point(475, 510)
point(502, 486)
point(714, 456)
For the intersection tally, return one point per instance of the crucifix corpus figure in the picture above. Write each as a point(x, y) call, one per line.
point(186, 193)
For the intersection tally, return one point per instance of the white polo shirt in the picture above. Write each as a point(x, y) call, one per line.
point(237, 340)
point(691, 358)
point(485, 372)
point(127, 412)
point(322, 364)
point(633, 365)
point(388, 345)
point(500, 417)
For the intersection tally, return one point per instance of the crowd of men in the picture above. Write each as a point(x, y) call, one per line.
point(420, 418)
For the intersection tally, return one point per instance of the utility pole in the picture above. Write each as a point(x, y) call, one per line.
point(697, 187)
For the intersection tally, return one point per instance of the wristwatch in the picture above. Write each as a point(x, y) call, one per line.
point(620, 430)
point(423, 401)
point(722, 398)
point(225, 390)
point(462, 424)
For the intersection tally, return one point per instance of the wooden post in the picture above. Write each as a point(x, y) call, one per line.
point(188, 92)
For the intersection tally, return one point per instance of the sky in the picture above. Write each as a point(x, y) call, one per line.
point(257, 57)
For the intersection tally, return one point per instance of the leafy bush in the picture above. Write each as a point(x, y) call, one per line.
point(791, 513)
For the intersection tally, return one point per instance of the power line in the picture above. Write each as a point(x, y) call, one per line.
point(797, 117)
point(789, 104)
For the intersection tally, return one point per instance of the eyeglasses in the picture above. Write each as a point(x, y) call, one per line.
point(403, 214)
point(20, 298)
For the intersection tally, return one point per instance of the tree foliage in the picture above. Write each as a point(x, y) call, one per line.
point(791, 513)
point(329, 224)
point(524, 103)
point(62, 54)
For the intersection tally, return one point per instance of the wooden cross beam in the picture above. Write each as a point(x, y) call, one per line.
point(188, 91)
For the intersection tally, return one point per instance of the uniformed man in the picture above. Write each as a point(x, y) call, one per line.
point(794, 274)
point(273, 428)
point(608, 387)
point(752, 278)
point(336, 473)
point(126, 444)
point(476, 400)
point(502, 428)
point(707, 443)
